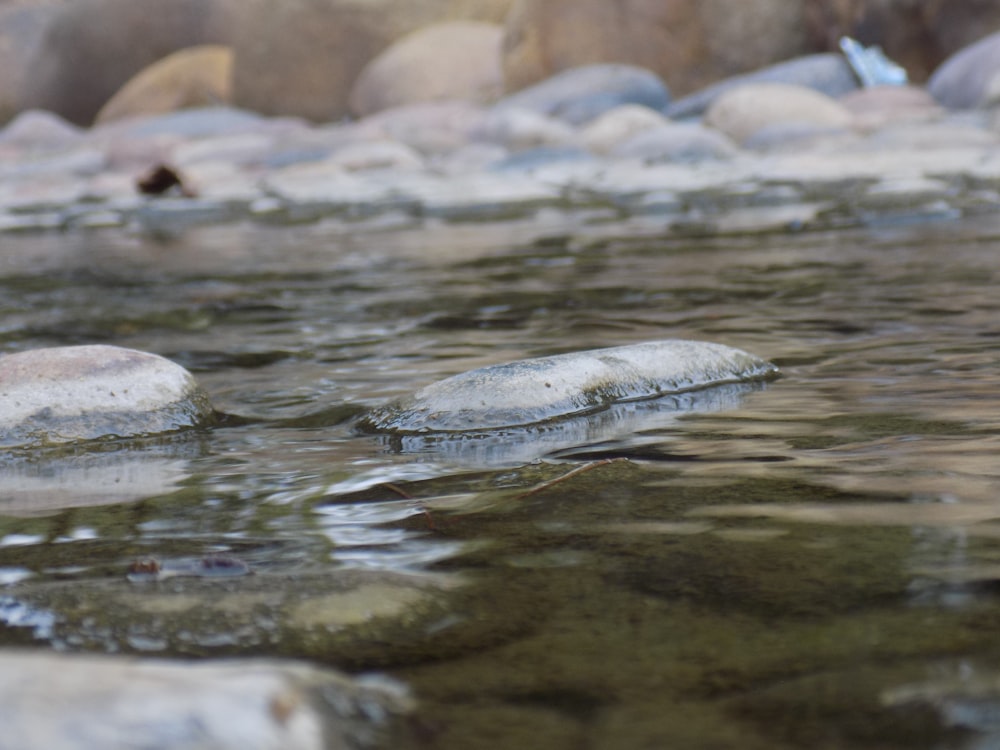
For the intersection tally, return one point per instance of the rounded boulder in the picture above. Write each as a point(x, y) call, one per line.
point(191, 77)
point(93, 47)
point(456, 60)
point(743, 111)
point(76, 393)
point(302, 57)
point(689, 43)
point(967, 79)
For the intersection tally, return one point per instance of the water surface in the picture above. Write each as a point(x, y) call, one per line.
point(809, 563)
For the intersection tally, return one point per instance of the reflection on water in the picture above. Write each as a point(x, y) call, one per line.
point(54, 480)
point(813, 563)
point(621, 424)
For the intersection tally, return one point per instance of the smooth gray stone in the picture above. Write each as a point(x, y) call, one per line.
point(828, 73)
point(72, 393)
point(963, 81)
point(580, 94)
point(60, 702)
point(536, 390)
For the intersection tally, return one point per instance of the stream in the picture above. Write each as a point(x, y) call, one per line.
point(811, 561)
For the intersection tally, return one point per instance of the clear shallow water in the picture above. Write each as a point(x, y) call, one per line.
point(811, 563)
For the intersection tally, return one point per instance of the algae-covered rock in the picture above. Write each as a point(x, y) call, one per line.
point(84, 702)
point(536, 390)
point(74, 393)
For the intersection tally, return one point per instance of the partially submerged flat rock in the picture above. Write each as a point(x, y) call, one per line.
point(74, 393)
point(536, 390)
point(84, 702)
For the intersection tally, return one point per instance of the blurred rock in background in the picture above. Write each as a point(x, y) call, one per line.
point(326, 60)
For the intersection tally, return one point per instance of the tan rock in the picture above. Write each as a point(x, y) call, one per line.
point(741, 112)
point(192, 77)
point(308, 68)
point(93, 47)
point(602, 134)
point(689, 43)
point(455, 60)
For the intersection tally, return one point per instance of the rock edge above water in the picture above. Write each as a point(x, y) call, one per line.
point(536, 390)
point(75, 393)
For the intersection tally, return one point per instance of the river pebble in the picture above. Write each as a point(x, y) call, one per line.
point(74, 393)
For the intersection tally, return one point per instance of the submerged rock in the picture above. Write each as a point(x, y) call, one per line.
point(83, 702)
point(537, 390)
point(73, 393)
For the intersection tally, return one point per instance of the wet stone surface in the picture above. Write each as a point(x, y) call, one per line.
point(531, 391)
point(70, 394)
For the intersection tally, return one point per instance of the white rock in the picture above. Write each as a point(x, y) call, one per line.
point(62, 702)
point(71, 393)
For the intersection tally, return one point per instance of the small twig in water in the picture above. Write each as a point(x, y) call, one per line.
point(407, 496)
point(578, 470)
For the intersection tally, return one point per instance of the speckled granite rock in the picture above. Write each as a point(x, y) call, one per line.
point(74, 393)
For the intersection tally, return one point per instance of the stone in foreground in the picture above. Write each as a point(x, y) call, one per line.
point(85, 702)
point(74, 393)
point(536, 390)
